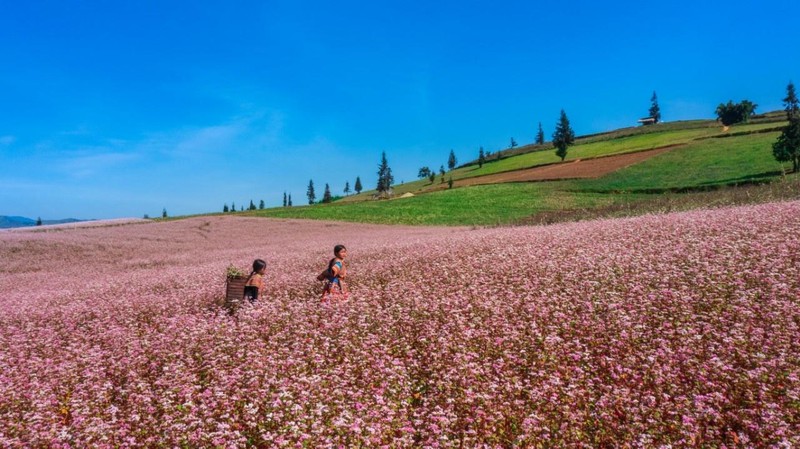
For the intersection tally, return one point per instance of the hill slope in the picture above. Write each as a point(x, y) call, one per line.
point(681, 165)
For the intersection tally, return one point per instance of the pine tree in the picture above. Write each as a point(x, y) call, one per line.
point(481, 158)
point(252, 206)
point(285, 203)
point(451, 160)
point(358, 185)
point(326, 196)
point(540, 135)
point(385, 178)
point(164, 213)
point(225, 209)
point(261, 204)
point(787, 147)
point(233, 206)
point(513, 143)
point(564, 136)
point(346, 188)
point(310, 192)
point(791, 104)
point(289, 203)
point(655, 111)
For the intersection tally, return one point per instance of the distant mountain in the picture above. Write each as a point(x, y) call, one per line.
point(21, 222)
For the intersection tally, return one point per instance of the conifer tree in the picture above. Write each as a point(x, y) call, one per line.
point(787, 147)
point(225, 209)
point(326, 195)
point(289, 203)
point(655, 111)
point(563, 136)
point(310, 192)
point(481, 158)
point(346, 188)
point(540, 135)
point(261, 204)
point(451, 160)
point(358, 185)
point(385, 178)
point(791, 104)
point(285, 203)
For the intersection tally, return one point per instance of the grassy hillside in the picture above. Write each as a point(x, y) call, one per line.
point(708, 166)
point(708, 162)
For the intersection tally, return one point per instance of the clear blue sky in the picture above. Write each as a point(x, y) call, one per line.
point(122, 108)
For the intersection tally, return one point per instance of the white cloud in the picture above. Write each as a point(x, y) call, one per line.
point(88, 163)
point(242, 133)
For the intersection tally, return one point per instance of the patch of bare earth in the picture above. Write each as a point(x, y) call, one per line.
point(580, 168)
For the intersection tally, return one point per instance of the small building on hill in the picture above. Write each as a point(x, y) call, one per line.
point(646, 121)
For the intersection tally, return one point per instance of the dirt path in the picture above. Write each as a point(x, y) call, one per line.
point(587, 168)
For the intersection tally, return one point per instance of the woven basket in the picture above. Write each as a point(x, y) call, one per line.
point(234, 292)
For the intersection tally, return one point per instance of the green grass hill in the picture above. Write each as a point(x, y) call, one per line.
point(702, 165)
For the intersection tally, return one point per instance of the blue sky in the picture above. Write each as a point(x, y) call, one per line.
point(120, 109)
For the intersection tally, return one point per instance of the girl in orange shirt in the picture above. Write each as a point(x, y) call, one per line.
point(255, 283)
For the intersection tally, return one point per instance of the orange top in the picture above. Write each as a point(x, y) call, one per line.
point(256, 280)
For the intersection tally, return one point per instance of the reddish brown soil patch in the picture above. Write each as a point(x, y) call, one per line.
point(586, 168)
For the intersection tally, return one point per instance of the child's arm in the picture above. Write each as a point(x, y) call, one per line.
point(338, 269)
point(261, 285)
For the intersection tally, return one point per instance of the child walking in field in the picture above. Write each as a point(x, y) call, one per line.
point(254, 286)
point(334, 287)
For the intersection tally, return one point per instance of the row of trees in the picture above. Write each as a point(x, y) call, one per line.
point(452, 161)
point(226, 209)
point(327, 197)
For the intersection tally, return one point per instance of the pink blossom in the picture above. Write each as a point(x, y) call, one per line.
point(659, 331)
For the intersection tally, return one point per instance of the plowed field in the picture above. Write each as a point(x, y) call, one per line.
point(580, 168)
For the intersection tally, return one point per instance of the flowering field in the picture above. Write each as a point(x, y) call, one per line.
point(660, 331)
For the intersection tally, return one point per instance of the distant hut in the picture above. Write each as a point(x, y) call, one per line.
point(647, 121)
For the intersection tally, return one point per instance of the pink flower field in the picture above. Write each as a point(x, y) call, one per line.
point(665, 331)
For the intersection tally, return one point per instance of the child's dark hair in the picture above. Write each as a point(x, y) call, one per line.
point(336, 250)
point(258, 264)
